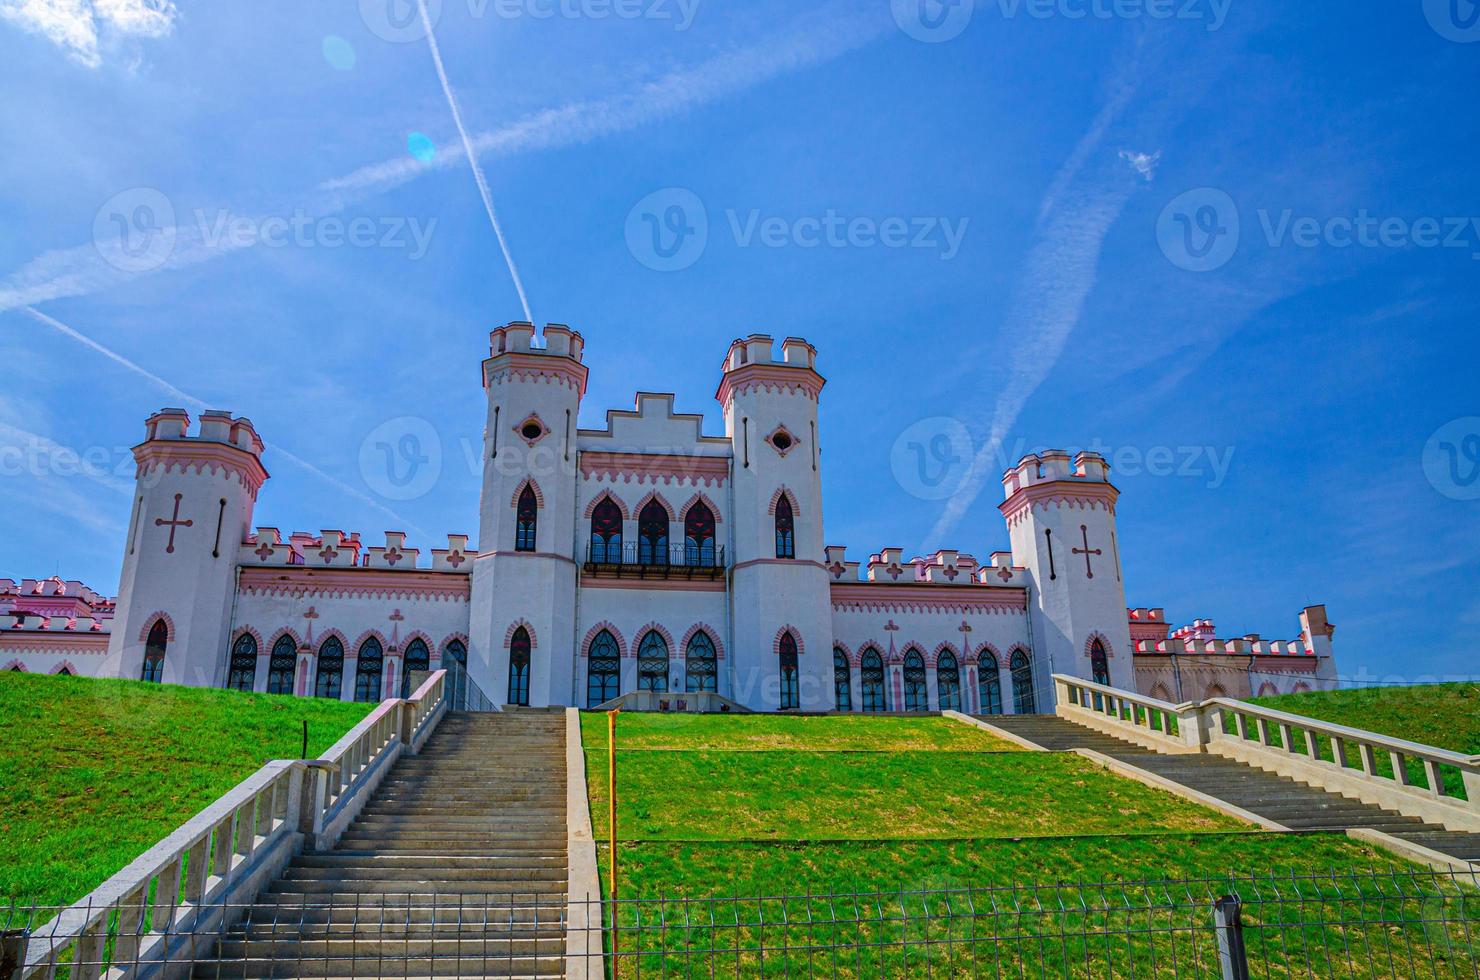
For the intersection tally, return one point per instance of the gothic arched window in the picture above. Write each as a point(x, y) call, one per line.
point(526, 517)
point(948, 682)
point(369, 665)
point(1023, 700)
point(154, 649)
point(606, 532)
point(329, 681)
point(1099, 663)
point(603, 670)
point(652, 535)
point(791, 696)
point(519, 667)
point(417, 658)
point(842, 681)
point(786, 542)
point(916, 693)
point(698, 536)
point(455, 662)
point(243, 673)
point(989, 684)
point(282, 666)
point(701, 666)
point(652, 662)
point(871, 681)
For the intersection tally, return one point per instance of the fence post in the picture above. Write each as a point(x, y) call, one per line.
point(1228, 920)
point(12, 953)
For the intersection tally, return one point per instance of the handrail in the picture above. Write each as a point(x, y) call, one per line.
point(1147, 720)
point(1449, 757)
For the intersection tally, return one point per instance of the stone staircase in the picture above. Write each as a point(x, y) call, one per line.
point(1285, 801)
point(456, 867)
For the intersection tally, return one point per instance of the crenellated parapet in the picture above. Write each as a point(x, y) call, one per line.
point(1199, 637)
point(944, 567)
point(221, 444)
point(514, 356)
point(749, 365)
point(1051, 479)
point(338, 549)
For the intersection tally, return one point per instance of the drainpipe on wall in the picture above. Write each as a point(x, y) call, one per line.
point(730, 581)
point(575, 623)
point(236, 591)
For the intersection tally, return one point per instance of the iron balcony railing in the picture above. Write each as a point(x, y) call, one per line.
point(642, 558)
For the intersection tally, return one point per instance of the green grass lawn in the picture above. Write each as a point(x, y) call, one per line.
point(814, 733)
point(94, 772)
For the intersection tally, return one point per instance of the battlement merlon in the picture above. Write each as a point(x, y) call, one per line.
point(1054, 477)
point(221, 442)
point(332, 548)
point(749, 363)
point(512, 354)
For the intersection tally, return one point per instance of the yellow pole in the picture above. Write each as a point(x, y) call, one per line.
point(611, 820)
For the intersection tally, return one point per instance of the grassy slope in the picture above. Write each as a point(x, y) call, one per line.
point(1443, 715)
point(816, 733)
point(93, 772)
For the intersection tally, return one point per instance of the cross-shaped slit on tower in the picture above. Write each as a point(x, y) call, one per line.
point(1086, 551)
point(173, 523)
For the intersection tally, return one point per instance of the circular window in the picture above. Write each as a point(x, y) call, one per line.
point(531, 431)
point(781, 441)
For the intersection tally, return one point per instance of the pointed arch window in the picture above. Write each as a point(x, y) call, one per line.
point(652, 535)
point(1023, 700)
point(916, 693)
point(989, 684)
point(369, 666)
point(701, 666)
point(842, 681)
point(527, 516)
point(948, 682)
point(790, 689)
point(1099, 666)
point(154, 651)
point(871, 681)
point(65, 672)
point(652, 662)
point(418, 658)
point(455, 662)
point(786, 543)
point(329, 680)
point(282, 666)
point(698, 536)
point(606, 532)
point(603, 670)
point(242, 675)
point(519, 667)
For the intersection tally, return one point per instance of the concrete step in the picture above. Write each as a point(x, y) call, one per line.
point(376, 859)
point(372, 966)
point(468, 946)
point(354, 872)
point(391, 912)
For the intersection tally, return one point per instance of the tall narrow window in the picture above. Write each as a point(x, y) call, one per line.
point(527, 517)
point(698, 536)
point(701, 667)
point(948, 682)
point(842, 681)
point(606, 533)
point(243, 673)
point(455, 662)
point(1023, 701)
point(871, 681)
point(652, 662)
point(786, 544)
point(329, 681)
point(790, 693)
point(519, 667)
point(154, 649)
point(369, 666)
point(989, 684)
point(652, 535)
point(418, 659)
point(603, 670)
point(916, 694)
point(282, 666)
point(1099, 665)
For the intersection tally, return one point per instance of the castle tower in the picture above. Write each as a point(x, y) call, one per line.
point(1061, 520)
point(779, 584)
point(524, 581)
point(192, 509)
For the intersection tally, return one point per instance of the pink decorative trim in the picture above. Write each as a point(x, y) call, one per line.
point(535, 418)
point(246, 631)
point(1089, 643)
point(1267, 688)
point(151, 619)
point(790, 562)
point(651, 496)
point(912, 645)
point(264, 651)
point(202, 457)
point(607, 495)
point(42, 640)
point(948, 647)
point(1301, 688)
point(698, 498)
point(534, 640)
point(976, 657)
point(343, 641)
point(540, 368)
point(66, 665)
point(15, 665)
point(302, 581)
point(792, 440)
point(1161, 693)
point(419, 635)
point(795, 635)
point(539, 498)
point(658, 628)
point(354, 650)
point(719, 647)
point(1060, 493)
point(439, 651)
point(771, 376)
point(592, 633)
point(1012, 652)
point(863, 652)
point(782, 491)
point(654, 585)
point(910, 597)
point(847, 653)
point(654, 467)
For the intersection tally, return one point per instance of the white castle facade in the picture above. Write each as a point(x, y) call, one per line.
point(644, 560)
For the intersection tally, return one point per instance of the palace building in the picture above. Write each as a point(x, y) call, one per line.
point(645, 561)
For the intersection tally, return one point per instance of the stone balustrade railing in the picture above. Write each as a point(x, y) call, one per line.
point(1416, 780)
point(207, 871)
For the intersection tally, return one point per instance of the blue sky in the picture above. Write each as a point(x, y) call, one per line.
point(1233, 249)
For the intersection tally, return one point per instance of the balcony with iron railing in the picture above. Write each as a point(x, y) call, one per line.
point(644, 560)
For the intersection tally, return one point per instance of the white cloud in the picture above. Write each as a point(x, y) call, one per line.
point(1142, 163)
point(81, 27)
